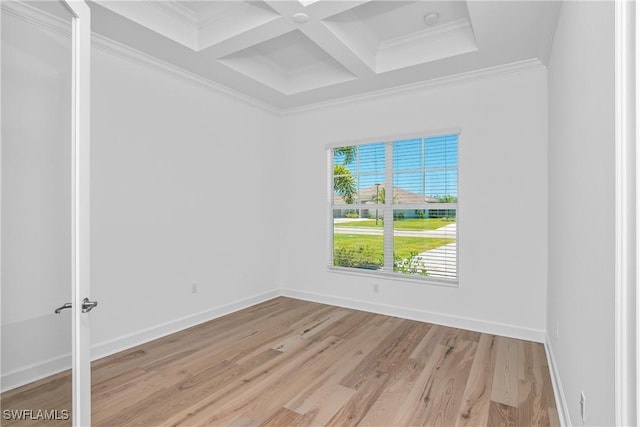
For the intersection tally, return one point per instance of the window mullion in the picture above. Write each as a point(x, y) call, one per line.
point(358, 175)
point(330, 194)
point(422, 171)
point(388, 208)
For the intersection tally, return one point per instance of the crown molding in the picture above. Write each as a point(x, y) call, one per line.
point(428, 34)
point(52, 23)
point(207, 18)
point(470, 76)
point(174, 10)
point(130, 54)
point(166, 17)
point(35, 16)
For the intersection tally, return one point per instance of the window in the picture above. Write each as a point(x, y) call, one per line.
point(394, 207)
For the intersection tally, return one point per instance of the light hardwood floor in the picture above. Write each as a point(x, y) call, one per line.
point(290, 362)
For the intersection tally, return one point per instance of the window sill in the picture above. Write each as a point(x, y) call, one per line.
point(449, 283)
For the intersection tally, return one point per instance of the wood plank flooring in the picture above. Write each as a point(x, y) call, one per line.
point(288, 362)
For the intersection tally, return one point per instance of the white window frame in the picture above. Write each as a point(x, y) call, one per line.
point(388, 208)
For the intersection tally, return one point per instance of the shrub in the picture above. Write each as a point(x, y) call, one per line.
point(412, 265)
point(352, 214)
point(363, 257)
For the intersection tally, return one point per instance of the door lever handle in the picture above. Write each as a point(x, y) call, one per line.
point(88, 305)
point(59, 309)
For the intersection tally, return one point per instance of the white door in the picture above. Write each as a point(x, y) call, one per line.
point(45, 211)
point(80, 280)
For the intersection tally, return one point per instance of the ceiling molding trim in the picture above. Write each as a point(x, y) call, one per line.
point(174, 10)
point(130, 54)
point(163, 18)
point(34, 16)
point(545, 56)
point(52, 23)
point(207, 19)
point(476, 75)
point(441, 31)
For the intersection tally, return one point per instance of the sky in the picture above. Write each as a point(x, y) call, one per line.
point(427, 166)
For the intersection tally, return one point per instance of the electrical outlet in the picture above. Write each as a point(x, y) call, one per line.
point(583, 406)
point(376, 288)
point(194, 288)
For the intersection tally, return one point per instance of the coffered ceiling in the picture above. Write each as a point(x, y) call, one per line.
point(289, 53)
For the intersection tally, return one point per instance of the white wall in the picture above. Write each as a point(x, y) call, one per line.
point(581, 208)
point(503, 202)
point(183, 191)
point(36, 195)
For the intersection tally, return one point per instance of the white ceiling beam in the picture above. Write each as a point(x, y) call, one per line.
point(314, 29)
point(252, 37)
point(336, 48)
point(158, 17)
point(176, 9)
point(323, 36)
point(326, 9)
point(319, 10)
point(285, 8)
point(509, 33)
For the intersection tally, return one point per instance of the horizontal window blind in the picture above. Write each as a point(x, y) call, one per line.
point(394, 207)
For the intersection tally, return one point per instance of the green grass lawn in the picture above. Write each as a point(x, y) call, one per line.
point(366, 251)
point(401, 224)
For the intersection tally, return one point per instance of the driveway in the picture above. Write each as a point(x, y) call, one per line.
point(446, 231)
point(439, 262)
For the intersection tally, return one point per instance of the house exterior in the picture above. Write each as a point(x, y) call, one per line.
point(370, 195)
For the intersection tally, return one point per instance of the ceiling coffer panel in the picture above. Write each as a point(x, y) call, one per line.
point(290, 63)
point(218, 22)
point(399, 34)
point(290, 53)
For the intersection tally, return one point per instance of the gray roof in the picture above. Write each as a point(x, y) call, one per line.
point(400, 195)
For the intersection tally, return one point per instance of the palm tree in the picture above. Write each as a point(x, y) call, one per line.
point(344, 184)
point(349, 154)
point(380, 199)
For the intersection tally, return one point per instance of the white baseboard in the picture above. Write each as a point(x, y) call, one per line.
point(53, 366)
point(561, 401)
point(483, 326)
point(140, 337)
point(34, 372)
